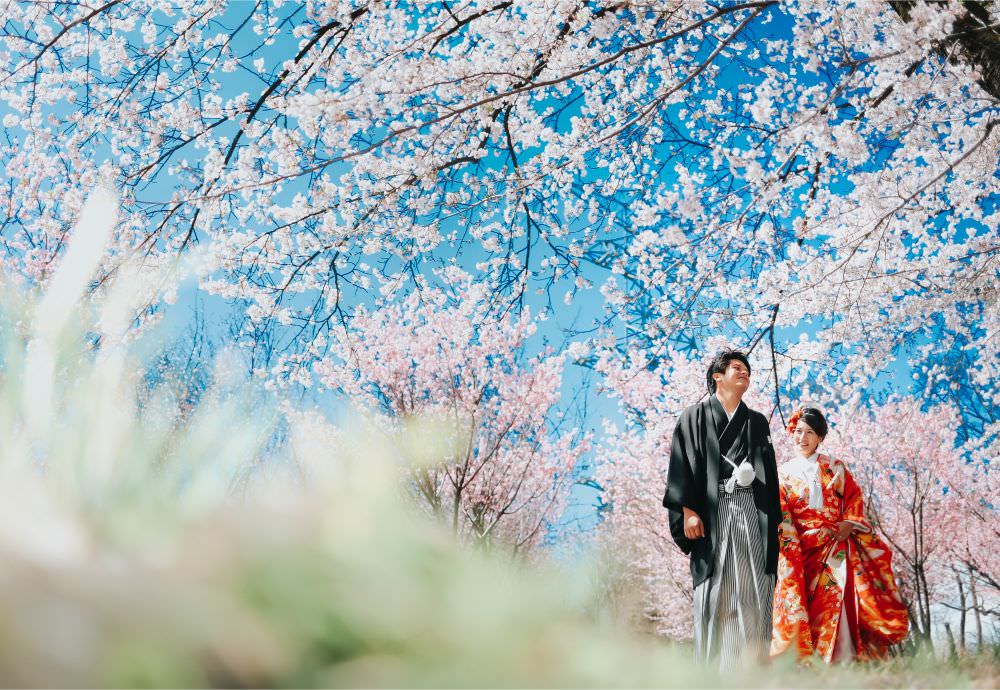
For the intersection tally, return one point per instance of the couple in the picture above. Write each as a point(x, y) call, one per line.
point(745, 525)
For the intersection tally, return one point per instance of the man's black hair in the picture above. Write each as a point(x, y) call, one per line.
point(719, 364)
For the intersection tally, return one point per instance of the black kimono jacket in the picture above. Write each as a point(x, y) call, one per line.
point(693, 482)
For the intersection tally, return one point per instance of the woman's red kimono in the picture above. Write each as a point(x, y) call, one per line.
point(817, 575)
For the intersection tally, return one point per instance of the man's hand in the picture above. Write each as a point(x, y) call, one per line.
point(694, 528)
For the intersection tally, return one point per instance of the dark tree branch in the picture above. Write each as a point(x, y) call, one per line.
point(978, 40)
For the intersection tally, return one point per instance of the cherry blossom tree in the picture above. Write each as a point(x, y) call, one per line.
point(743, 167)
point(972, 551)
point(633, 475)
point(443, 355)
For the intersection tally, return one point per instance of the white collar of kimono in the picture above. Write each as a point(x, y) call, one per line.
point(806, 470)
point(729, 417)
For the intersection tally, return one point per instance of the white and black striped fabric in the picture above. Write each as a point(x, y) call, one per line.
point(732, 609)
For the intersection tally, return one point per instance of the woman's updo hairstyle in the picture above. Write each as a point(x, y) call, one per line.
point(811, 416)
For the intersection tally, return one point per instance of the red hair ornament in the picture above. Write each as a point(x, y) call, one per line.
point(793, 421)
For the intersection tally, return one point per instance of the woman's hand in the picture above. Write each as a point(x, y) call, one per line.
point(694, 528)
point(844, 530)
point(841, 533)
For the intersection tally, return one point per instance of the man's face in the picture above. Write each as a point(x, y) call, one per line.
point(735, 379)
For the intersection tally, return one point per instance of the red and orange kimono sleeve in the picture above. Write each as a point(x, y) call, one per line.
point(881, 616)
point(854, 505)
point(791, 615)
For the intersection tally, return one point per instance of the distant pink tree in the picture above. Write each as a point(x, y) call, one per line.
point(972, 548)
point(635, 527)
point(633, 474)
point(444, 354)
point(979, 493)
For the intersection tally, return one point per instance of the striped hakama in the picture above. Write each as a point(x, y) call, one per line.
point(732, 608)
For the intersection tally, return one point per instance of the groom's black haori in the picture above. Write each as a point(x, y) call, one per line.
point(734, 566)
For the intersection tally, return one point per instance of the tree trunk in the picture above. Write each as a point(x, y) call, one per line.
point(924, 609)
point(952, 653)
point(977, 613)
point(961, 616)
point(977, 41)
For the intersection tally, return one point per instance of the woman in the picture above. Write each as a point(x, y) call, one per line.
point(836, 596)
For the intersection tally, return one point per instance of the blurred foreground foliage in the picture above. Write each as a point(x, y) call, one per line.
point(147, 542)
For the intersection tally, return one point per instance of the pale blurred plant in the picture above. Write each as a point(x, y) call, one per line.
point(77, 443)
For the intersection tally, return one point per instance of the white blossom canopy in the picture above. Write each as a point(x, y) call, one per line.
point(741, 168)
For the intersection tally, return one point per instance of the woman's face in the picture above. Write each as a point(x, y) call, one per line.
point(806, 440)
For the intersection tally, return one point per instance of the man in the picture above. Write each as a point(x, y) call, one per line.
point(722, 498)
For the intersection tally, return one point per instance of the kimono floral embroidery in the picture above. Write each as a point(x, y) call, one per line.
point(818, 576)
